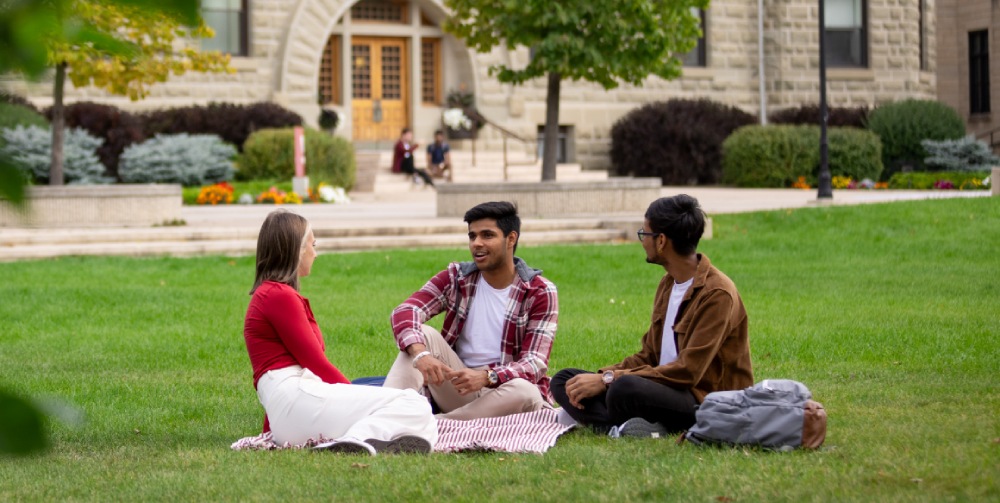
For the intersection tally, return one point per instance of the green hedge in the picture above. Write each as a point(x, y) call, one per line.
point(13, 115)
point(269, 153)
point(964, 180)
point(904, 124)
point(776, 156)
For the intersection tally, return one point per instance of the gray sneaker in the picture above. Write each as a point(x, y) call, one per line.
point(406, 444)
point(347, 446)
point(639, 428)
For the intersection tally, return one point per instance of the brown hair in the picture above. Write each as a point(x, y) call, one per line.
point(279, 248)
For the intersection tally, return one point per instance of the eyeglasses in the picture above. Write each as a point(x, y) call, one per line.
point(641, 233)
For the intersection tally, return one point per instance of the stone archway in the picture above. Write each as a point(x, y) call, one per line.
point(313, 23)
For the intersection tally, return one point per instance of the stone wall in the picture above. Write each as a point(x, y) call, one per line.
point(96, 206)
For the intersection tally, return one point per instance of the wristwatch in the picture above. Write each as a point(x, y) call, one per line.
point(608, 377)
point(492, 378)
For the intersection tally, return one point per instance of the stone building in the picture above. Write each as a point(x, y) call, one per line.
point(386, 64)
point(966, 81)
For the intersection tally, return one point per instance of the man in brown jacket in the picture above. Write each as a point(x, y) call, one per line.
point(697, 341)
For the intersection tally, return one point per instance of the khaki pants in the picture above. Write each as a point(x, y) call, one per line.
point(511, 397)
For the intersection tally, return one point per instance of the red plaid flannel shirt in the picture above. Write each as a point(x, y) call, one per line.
point(529, 323)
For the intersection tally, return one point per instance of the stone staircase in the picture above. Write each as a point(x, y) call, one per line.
point(488, 168)
point(21, 244)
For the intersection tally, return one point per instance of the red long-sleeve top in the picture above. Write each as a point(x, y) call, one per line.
point(280, 330)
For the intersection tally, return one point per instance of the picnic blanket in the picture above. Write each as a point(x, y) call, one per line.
point(528, 432)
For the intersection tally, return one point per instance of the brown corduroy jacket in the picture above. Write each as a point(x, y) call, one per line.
point(713, 347)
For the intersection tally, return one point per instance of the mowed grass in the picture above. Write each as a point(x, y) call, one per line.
point(889, 313)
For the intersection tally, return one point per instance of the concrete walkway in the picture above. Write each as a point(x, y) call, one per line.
point(404, 220)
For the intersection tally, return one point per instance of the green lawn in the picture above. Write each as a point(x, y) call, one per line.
point(889, 313)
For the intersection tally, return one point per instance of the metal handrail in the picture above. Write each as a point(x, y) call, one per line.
point(505, 133)
point(992, 135)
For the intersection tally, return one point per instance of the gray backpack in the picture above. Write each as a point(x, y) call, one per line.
point(775, 414)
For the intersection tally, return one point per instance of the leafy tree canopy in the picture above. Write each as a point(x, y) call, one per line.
point(607, 41)
point(148, 47)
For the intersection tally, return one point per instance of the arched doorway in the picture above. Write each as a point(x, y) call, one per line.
point(386, 65)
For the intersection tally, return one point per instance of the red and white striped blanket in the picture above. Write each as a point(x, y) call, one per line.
point(529, 432)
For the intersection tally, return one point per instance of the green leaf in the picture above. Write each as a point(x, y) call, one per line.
point(11, 182)
point(22, 426)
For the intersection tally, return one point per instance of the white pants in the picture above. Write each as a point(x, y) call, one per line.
point(301, 406)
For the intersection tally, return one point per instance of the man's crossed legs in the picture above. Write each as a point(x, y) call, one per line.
point(511, 397)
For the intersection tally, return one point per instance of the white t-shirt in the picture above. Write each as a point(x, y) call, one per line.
point(668, 349)
point(482, 336)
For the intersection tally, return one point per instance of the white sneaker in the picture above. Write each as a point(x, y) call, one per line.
point(639, 428)
point(563, 418)
point(346, 446)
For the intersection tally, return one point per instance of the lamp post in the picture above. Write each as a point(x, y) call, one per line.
point(825, 181)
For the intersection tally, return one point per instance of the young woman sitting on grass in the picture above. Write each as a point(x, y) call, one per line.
point(303, 394)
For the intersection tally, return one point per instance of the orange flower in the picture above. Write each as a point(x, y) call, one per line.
point(801, 184)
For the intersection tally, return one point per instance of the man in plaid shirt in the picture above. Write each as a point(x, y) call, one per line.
point(492, 353)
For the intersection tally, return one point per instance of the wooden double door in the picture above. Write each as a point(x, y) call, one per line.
point(379, 87)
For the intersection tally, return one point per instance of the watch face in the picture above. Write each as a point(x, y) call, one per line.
point(492, 377)
point(608, 377)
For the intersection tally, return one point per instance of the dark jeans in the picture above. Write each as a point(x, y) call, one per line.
point(407, 167)
point(629, 396)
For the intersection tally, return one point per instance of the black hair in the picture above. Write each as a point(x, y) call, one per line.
point(503, 212)
point(438, 132)
point(680, 218)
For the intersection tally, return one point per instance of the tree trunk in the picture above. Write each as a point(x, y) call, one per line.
point(551, 128)
point(58, 127)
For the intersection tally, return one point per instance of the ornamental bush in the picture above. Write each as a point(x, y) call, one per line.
point(964, 154)
point(776, 156)
point(233, 123)
point(269, 154)
point(13, 115)
point(116, 127)
point(807, 115)
point(31, 148)
point(678, 141)
point(904, 124)
point(189, 160)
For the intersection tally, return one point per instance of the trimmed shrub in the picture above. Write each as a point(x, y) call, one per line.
point(808, 115)
point(769, 156)
point(776, 156)
point(964, 180)
point(31, 148)
point(904, 124)
point(116, 127)
point(184, 159)
point(853, 152)
point(15, 99)
point(678, 141)
point(963, 154)
point(13, 115)
point(233, 123)
point(269, 153)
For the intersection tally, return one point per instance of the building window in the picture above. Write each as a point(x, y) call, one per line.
point(228, 18)
point(361, 77)
point(979, 72)
point(563, 143)
point(381, 11)
point(698, 55)
point(329, 72)
point(846, 39)
point(922, 12)
point(430, 71)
